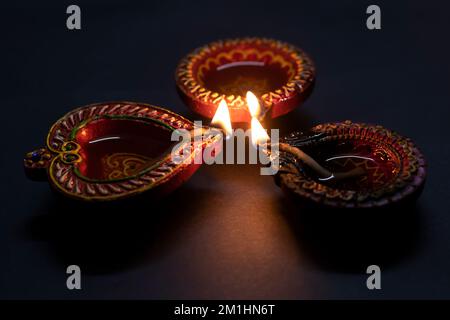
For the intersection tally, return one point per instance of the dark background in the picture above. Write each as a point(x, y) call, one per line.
point(228, 232)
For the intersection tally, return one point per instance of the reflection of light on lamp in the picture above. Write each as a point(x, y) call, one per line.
point(83, 135)
point(83, 132)
point(104, 139)
point(222, 118)
point(241, 63)
point(259, 134)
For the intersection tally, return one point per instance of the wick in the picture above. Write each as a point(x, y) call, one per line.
point(200, 132)
point(324, 174)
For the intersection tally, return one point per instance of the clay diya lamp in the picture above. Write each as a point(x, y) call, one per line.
point(111, 151)
point(281, 75)
point(351, 165)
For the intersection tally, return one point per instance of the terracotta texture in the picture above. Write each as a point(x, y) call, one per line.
point(395, 169)
point(281, 75)
point(113, 150)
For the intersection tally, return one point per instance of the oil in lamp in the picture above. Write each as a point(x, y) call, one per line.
point(115, 150)
point(345, 165)
point(282, 76)
point(362, 166)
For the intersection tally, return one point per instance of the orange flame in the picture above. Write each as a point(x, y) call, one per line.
point(222, 118)
point(253, 104)
point(259, 134)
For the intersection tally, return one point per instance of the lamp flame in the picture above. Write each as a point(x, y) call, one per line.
point(259, 134)
point(222, 118)
point(253, 104)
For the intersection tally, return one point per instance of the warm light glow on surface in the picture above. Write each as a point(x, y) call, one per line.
point(222, 118)
point(253, 104)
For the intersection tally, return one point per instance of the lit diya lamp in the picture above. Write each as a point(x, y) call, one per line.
point(280, 74)
point(355, 165)
point(111, 151)
point(260, 139)
point(116, 150)
point(344, 165)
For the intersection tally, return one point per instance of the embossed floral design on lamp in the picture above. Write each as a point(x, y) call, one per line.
point(390, 169)
point(111, 151)
point(281, 75)
point(344, 165)
point(115, 150)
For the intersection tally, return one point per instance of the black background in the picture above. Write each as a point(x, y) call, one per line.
point(228, 232)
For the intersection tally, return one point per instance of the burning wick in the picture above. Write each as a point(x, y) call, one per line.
point(324, 174)
point(259, 136)
point(222, 118)
point(220, 123)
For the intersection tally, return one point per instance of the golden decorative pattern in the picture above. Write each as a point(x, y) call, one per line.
point(408, 176)
point(60, 158)
point(123, 165)
point(191, 69)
